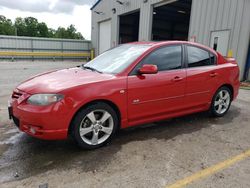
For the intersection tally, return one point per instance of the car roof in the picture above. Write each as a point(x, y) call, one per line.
point(162, 43)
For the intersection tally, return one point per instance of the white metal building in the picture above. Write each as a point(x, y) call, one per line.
point(221, 24)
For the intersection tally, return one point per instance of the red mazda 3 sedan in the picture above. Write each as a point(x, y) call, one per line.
point(128, 85)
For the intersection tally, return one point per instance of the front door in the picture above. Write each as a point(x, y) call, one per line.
point(153, 96)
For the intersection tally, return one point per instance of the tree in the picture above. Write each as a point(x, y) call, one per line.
point(69, 33)
point(51, 33)
point(61, 33)
point(31, 27)
point(6, 26)
point(20, 26)
point(72, 32)
point(42, 30)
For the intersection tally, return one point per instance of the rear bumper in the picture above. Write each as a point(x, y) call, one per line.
point(236, 89)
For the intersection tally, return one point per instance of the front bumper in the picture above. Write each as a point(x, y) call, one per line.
point(40, 131)
point(43, 122)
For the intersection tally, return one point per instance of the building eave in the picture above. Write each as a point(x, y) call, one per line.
point(95, 4)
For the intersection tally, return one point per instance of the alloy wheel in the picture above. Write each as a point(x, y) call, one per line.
point(96, 127)
point(222, 102)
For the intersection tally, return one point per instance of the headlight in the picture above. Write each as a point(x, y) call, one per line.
point(44, 99)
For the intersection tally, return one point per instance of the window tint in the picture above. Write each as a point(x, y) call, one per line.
point(166, 58)
point(213, 59)
point(198, 57)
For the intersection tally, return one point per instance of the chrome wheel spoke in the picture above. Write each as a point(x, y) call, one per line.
point(94, 139)
point(84, 131)
point(226, 96)
point(226, 104)
point(91, 117)
point(221, 95)
point(105, 116)
point(220, 108)
point(217, 103)
point(107, 130)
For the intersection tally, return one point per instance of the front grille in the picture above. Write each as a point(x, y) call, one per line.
point(16, 94)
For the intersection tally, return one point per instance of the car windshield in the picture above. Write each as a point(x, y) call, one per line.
point(117, 59)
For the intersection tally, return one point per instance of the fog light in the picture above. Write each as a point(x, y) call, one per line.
point(32, 130)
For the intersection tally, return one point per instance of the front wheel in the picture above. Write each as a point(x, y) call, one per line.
point(95, 125)
point(221, 102)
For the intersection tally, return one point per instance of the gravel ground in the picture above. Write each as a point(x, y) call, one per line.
point(153, 155)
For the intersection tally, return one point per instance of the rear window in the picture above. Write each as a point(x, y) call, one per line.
point(198, 57)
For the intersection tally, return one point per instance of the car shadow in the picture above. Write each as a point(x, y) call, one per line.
point(29, 156)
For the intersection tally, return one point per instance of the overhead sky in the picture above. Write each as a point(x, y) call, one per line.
point(54, 13)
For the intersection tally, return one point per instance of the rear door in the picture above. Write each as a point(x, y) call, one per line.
point(202, 76)
point(155, 95)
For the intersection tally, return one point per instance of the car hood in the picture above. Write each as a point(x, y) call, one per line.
point(56, 81)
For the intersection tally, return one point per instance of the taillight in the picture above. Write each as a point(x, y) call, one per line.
point(231, 60)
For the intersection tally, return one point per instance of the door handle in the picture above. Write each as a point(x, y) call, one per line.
point(177, 79)
point(213, 74)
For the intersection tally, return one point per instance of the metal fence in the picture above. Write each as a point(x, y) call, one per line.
point(31, 48)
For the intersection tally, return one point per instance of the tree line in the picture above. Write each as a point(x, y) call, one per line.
point(31, 27)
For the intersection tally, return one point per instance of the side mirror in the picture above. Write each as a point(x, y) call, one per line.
point(148, 69)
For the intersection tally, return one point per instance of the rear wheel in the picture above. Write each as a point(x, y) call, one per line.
point(221, 102)
point(95, 125)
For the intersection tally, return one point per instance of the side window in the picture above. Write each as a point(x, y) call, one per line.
point(198, 57)
point(213, 59)
point(166, 58)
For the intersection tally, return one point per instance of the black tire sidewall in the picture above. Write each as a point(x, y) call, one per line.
point(212, 108)
point(82, 113)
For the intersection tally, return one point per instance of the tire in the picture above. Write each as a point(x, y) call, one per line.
point(95, 125)
point(221, 102)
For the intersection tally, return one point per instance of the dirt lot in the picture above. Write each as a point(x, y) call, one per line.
point(155, 155)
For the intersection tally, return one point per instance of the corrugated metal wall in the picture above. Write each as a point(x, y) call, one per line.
point(106, 6)
point(206, 16)
point(214, 15)
point(34, 44)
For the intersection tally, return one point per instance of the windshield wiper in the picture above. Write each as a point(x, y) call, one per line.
point(91, 68)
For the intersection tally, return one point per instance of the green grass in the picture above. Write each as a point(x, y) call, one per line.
point(246, 88)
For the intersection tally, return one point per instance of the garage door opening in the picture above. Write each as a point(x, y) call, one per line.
point(171, 21)
point(129, 27)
